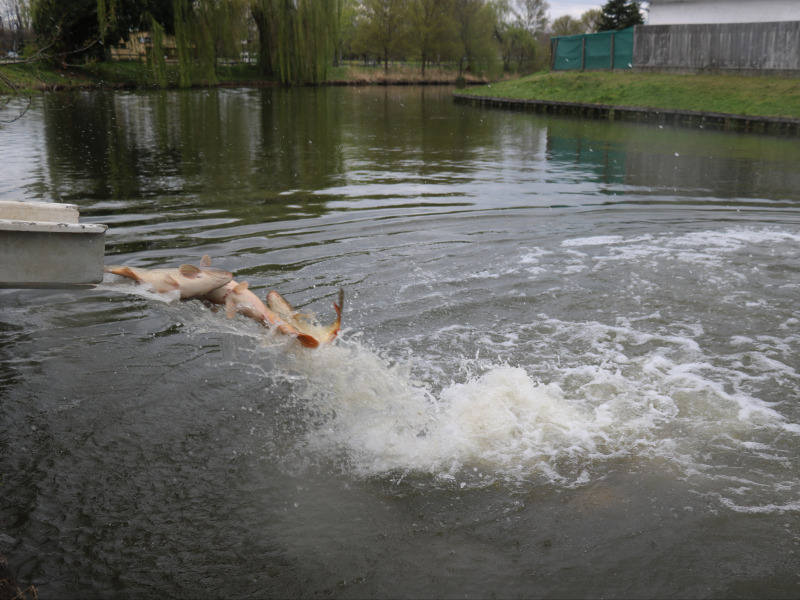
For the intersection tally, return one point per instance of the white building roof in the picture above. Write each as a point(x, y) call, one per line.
point(672, 12)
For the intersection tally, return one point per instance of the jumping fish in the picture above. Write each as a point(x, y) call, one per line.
point(238, 299)
point(189, 280)
point(304, 323)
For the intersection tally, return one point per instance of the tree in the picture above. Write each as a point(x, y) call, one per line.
point(518, 48)
point(591, 20)
point(519, 23)
point(297, 37)
point(14, 20)
point(431, 29)
point(84, 28)
point(66, 26)
point(566, 25)
point(476, 27)
point(348, 27)
point(382, 28)
point(531, 15)
point(620, 14)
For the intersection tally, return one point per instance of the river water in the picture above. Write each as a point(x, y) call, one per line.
point(568, 368)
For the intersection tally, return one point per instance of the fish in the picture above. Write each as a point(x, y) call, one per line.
point(237, 298)
point(189, 280)
point(306, 323)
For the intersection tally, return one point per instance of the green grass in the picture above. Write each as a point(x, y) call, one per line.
point(39, 76)
point(731, 94)
point(29, 77)
point(139, 74)
point(756, 96)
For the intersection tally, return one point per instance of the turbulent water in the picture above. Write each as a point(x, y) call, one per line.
point(568, 367)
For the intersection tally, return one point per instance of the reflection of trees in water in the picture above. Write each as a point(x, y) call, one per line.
point(208, 149)
point(270, 154)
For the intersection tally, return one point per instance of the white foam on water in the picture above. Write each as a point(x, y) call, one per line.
point(572, 398)
point(115, 284)
point(557, 400)
point(504, 424)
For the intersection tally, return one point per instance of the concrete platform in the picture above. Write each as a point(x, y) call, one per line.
point(43, 244)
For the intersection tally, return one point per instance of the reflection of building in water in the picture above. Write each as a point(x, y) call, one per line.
point(601, 160)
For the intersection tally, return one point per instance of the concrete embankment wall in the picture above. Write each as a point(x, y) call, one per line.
point(687, 118)
point(768, 48)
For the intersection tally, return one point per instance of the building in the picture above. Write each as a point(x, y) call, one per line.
point(139, 44)
point(720, 36)
point(704, 12)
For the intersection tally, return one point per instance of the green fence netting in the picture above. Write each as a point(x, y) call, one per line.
point(605, 50)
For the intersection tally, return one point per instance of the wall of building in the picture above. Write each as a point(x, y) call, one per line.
point(772, 48)
point(670, 12)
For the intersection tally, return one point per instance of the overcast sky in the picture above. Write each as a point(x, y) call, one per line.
point(574, 8)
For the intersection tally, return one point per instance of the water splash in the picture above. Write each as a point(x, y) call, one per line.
point(503, 424)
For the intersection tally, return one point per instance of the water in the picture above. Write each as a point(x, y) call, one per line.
point(569, 362)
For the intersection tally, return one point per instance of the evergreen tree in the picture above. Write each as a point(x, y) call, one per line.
point(619, 14)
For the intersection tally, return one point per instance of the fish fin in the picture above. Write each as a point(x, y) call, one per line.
point(279, 304)
point(205, 261)
point(230, 306)
point(190, 271)
point(168, 280)
point(240, 287)
point(306, 340)
point(123, 272)
point(340, 306)
point(333, 328)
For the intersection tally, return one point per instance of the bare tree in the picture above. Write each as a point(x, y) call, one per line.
point(14, 21)
point(531, 14)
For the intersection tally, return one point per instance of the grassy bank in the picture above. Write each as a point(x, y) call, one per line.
point(755, 96)
point(738, 95)
point(36, 77)
point(356, 75)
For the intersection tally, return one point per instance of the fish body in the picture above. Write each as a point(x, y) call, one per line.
point(304, 323)
point(237, 298)
point(218, 287)
point(189, 280)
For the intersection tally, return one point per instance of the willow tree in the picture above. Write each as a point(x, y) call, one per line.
point(156, 58)
point(297, 38)
point(194, 41)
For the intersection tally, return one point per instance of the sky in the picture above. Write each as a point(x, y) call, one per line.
point(574, 8)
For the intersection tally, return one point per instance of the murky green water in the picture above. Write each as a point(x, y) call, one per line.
point(569, 366)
